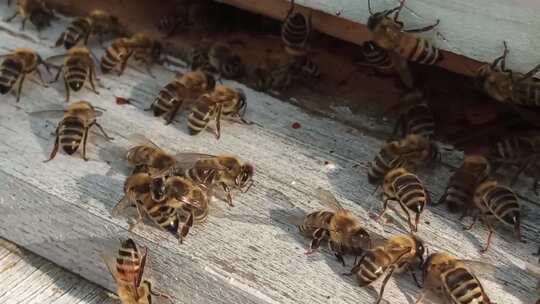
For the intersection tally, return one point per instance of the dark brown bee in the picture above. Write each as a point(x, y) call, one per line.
point(460, 190)
point(507, 86)
point(218, 58)
point(388, 33)
point(305, 69)
point(16, 66)
point(78, 68)
point(80, 29)
point(452, 279)
point(223, 101)
point(377, 58)
point(416, 117)
point(273, 76)
point(515, 151)
point(127, 270)
point(496, 203)
point(35, 10)
point(187, 87)
point(73, 129)
point(140, 46)
point(295, 32)
point(409, 191)
point(398, 253)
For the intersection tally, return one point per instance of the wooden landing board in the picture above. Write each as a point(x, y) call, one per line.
point(246, 254)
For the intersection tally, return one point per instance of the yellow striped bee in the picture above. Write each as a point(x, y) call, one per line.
point(143, 49)
point(223, 101)
point(295, 32)
point(388, 33)
point(516, 151)
point(78, 68)
point(17, 65)
point(416, 116)
point(34, 10)
point(81, 29)
point(186, 87)
point(397, 254)
point(496, 203)
point(72, 130)
point(507, 86)
point(127, 270)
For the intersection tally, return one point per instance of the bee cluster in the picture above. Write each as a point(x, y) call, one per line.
point(175, 190)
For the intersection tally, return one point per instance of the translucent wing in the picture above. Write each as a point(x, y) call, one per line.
point(109, 259)
point(51, 113)
point(481, 269)
point(187, 160)
point(295, 220)
point(327, 198)
point(121, 206)
point(138, 139)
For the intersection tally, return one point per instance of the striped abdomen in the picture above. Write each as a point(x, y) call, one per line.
point(76, 31)
point(503, 204)
point(419, 120)
point(371, 266)
point(295, 32)
point(527, 93)
point(315, 220)
point(382, 164)
point(162, 215)
point(76, 74)
point(459, 192)
point(128, 262)
point(409, 190)
point(10, 72)
point(167, 99)
point(114, 55)
point(511, 150)
point(463, 288)
point(306, 69)
point(71, 134)
point(377, 57)
point(200, 116)
point(419, 50)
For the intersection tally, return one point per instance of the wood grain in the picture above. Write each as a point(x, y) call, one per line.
point(246, 254)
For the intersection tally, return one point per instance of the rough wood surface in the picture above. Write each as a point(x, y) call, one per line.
point(246, 254)
point(30, 279)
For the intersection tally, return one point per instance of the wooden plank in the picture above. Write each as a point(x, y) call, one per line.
point(246, 254)
point(30, 279)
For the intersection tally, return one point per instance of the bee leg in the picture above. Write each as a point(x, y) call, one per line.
point(337, 253)
point(139, 218)
point(12, 17)
point(19, 88)
point(385, 207)
point(227, 190)
point(413, 276)
point(102, 130)
point(42, 82)
point(318, 235)
point(356, 267)
point(218, 121)
point(530, 74)
point(124, 64)
point(488, 239)
point(475, 219)
point(67, 88)
point(409, 219)
point(186, 226)
point(23, 23)
point(171, 114)
point(160, 294)
point(424, 29)
point(379, 298)
point(85, 137)
point(56, 144)
point(91, 78)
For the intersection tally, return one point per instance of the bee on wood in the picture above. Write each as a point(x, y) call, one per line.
point(223, 101)
point(78, 68)
point(516, 151)
point(507, 86)
point(453, 279)
point(295, 31)
point(397, 254)
point(16, 66)
point(339, 226)
point(219, 58)
point(273, 76)
point(186, 87)
point(97, 23)
point(388, 33)
point(148, 155)
point(34, 10)
point(305, 69)
point(73, 129)
point(140, 46)
point(416, 116)
point(128, 271)
point(460, 189)
point(496, 203)
point(408, 190)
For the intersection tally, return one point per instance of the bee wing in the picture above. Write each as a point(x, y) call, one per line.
point(327, 198)
point(121, 206)
point(482, 269)
point(187, 160)
point(295, 220)
point(138, 139)
point(402, 68)
point(49, 113)
point(109, 258)
point(143, 252)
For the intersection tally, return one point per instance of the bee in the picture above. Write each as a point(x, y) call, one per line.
point(128, 274)
point(496, 203)
point(188, 86)
point(398, 253)
point(518, 151)
point(305, 69)
point(219, 58)
point(408, 190)
point(16, 66)
point(144, 153)
point(343, 230)
point(459, 192)
point(452, 279)
point(78, 68)
point(295, 31)
point(73, 129)
point(507, 86)
point(223, 101)
point(80, 29)
point(273, 76)
point(140, 46)
point(416, 117)
point(35, 10)
point(388, 33)
point(212, 171)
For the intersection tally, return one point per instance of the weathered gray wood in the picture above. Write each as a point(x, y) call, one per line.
point(247, 254)
point(27, 278)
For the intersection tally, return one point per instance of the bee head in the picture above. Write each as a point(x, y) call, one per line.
point(244, 180)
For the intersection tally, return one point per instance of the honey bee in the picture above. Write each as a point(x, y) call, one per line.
point(188, 86)
point(459, 192)
point(295, 31)
point(452, 279)
point(73, 129)
point(78, 68)
point(416, 117)
point(388, 33)
point(408, 190)
point(128, 271)
point(223, 101)
point(140, 46)
point(518, 151)
point(35, 10)
point(80, 29)
point(144, 153)
point(305, 69)
point(219, 58)
point(343, 230)
point(496, 203)
point(398, 253)
point(273, 76)
point(507, 86)
point(16, 66)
